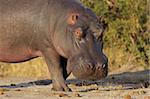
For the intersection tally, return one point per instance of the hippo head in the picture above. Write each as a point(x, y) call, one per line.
point(87, 60)
point(83, 46)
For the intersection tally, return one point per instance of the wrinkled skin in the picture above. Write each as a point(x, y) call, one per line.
point(87, 64)
point(64, 32)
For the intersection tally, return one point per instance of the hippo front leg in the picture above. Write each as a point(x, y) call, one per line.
point(66, 72)
point(54, 65)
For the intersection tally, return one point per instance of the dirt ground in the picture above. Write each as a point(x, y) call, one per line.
point(127, 85)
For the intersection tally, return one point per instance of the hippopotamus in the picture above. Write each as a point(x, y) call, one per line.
point(67, 34)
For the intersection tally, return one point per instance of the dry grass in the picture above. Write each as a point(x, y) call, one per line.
point(34, 68)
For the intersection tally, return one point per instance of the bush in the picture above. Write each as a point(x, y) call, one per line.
point(127, 36)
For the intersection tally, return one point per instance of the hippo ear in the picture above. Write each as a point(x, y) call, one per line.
point(78, 33)
point(73, 18)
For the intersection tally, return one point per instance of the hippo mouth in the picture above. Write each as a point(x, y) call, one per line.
point(86, 70)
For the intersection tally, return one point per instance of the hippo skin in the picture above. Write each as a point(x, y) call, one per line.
point(67, 34)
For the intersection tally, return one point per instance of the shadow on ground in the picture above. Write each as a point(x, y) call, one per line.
point(129, 80)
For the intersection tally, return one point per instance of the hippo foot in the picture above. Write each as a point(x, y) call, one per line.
point(61, 88)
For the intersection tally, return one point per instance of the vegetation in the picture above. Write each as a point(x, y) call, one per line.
point(127, 35)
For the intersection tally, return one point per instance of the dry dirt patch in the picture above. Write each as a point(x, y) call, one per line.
point(129, 85)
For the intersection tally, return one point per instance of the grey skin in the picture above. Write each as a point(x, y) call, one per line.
point(64, 32)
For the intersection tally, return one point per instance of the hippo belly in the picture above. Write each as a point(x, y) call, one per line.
point(17, 54)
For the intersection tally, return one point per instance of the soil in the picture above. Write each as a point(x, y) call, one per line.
point(127, 85)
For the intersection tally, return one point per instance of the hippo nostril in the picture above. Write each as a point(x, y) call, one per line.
point(99, 66)
point(91, 66)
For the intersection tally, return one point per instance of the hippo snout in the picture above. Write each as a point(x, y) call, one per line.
point(90, 70)
point(95, 67)
point(101, 66)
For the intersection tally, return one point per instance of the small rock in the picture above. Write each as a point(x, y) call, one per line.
point(18, 90)
point(1, 93)
point(12, 84)
point(127, 97)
